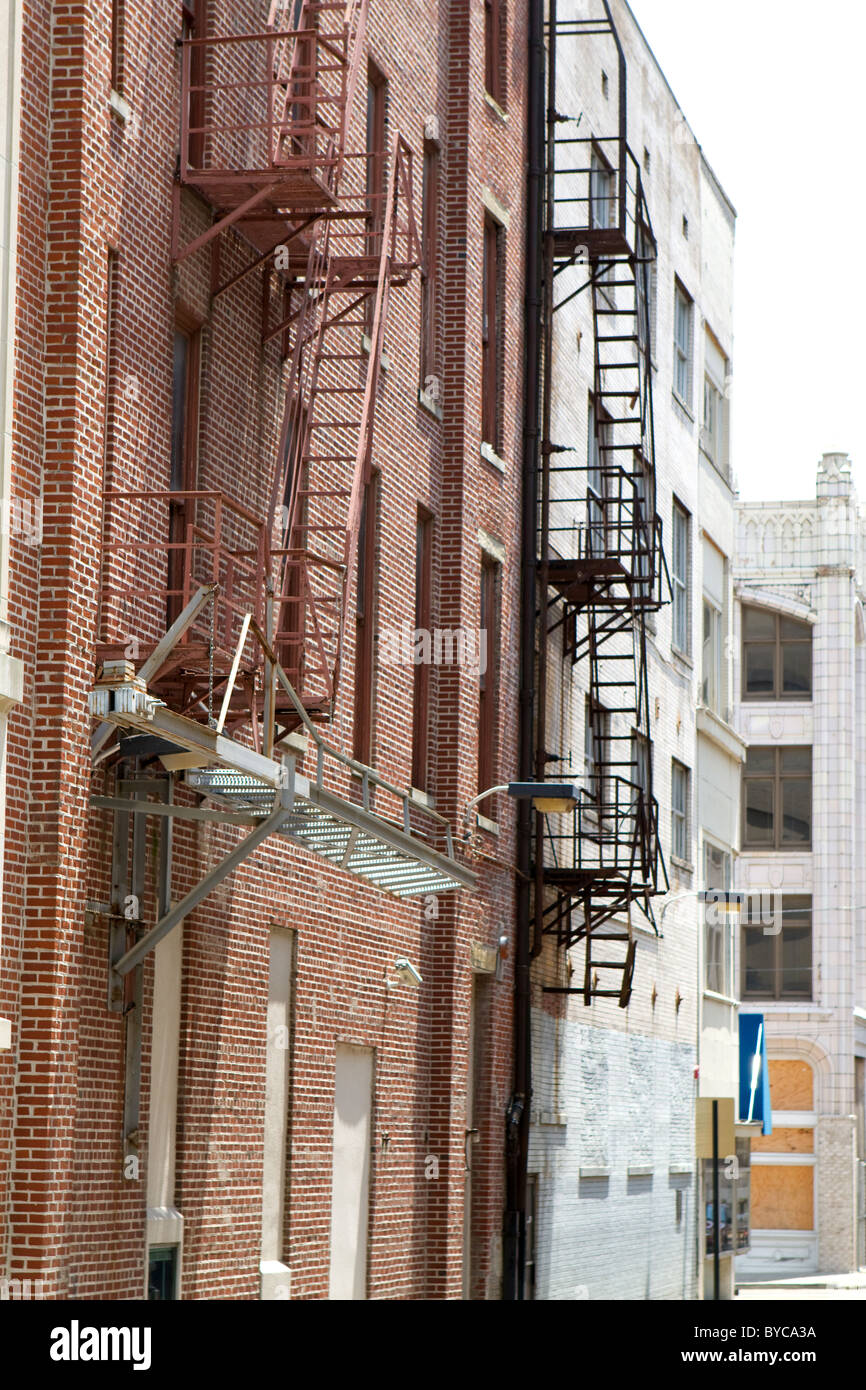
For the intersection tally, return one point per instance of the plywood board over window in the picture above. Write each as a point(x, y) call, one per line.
point(783, 1197)
point(791, 1084)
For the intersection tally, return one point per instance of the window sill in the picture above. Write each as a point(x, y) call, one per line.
point(683, 864)
point(430, 404)
point(683, 657)
point(721, 998)
point(489, 454)
point(120, 107)
point(423, 798)
point(367, 346)
point(776, 849)
point(496, 108)
point(680, 403)
point(490, 826)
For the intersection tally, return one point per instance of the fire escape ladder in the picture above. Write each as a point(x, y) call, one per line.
point(326, 441)
point(601, 557)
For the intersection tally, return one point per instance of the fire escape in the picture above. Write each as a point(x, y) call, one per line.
point(601, 564)
point(223, 615)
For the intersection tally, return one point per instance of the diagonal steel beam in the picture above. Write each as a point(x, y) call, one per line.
point(182, 909)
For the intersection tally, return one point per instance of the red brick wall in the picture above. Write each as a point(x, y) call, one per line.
point(73, 1218)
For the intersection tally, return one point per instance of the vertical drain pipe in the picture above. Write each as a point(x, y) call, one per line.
point(517, 1118)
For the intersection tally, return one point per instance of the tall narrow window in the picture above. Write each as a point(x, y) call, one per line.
point(641, 765)
point(494, 36)
point(111, 364)
point(680, 579)
point(423, 622)
point(194, 23)
point(430, 273)
point(184, 456)
point(365, 616)
point(117, 18)
point(713, 670)
point(377, 91)
point(718, 928)
point(714, 431)
point(491, 330)
point(596, 482)
point(488, 683)
point(683, 314)
point(679, 811)
point(601, 192)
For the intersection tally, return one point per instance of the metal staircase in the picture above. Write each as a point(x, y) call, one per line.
point(601, 562)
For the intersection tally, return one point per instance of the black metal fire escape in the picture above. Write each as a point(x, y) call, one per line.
point(601, 565)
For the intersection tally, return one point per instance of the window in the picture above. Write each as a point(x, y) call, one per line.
point(683, 313)
point(777, 798)
point(365, 617)
point(776, 947)
point(162, 1273)
point(679, 811)
point(596, 733)
point(194, 24)
point(777, 656)
point(184, 453)
point(596, 482)
point(680, 579)
point(375, 181)
point(714, 432)
point(117, 18)
point(423, 622)
point(718, 924)
point(601, 191)
point(711, 660)
point(714, 689)
point(430, 273)
point(494, 46)
point(491, 331)
point(640, 756)
point(488, 679)
point(647, 284)
point(530, 1264)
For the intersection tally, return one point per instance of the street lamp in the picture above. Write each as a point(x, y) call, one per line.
point(551, 798)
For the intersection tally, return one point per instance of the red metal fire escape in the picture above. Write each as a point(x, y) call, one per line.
point(265, 126)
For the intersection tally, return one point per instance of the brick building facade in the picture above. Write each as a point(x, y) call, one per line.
point(294, 1090)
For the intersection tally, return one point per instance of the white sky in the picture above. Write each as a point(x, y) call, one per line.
point(775, 92)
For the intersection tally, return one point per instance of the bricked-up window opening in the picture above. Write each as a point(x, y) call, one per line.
point(679, 811)
point(776, 946)
point(423, 623)
point(718, 925)
point(494, 50)
point(430, 273)
point(365, 618)
point(491, 333)
point(680, 575)
point(377, 106)
point(162, 1274)
point(488, 679)
point(777, 798)
point(118, 8)
point(683, 345)
point(777, 656)
point(184, 451)
point(194, 25)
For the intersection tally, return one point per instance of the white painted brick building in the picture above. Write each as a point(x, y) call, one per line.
point(617, 1208)
point(801, 707)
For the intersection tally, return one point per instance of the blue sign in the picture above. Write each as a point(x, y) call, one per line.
point(754, 1073)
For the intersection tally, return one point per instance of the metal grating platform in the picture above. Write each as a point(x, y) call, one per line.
point(348, 836)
